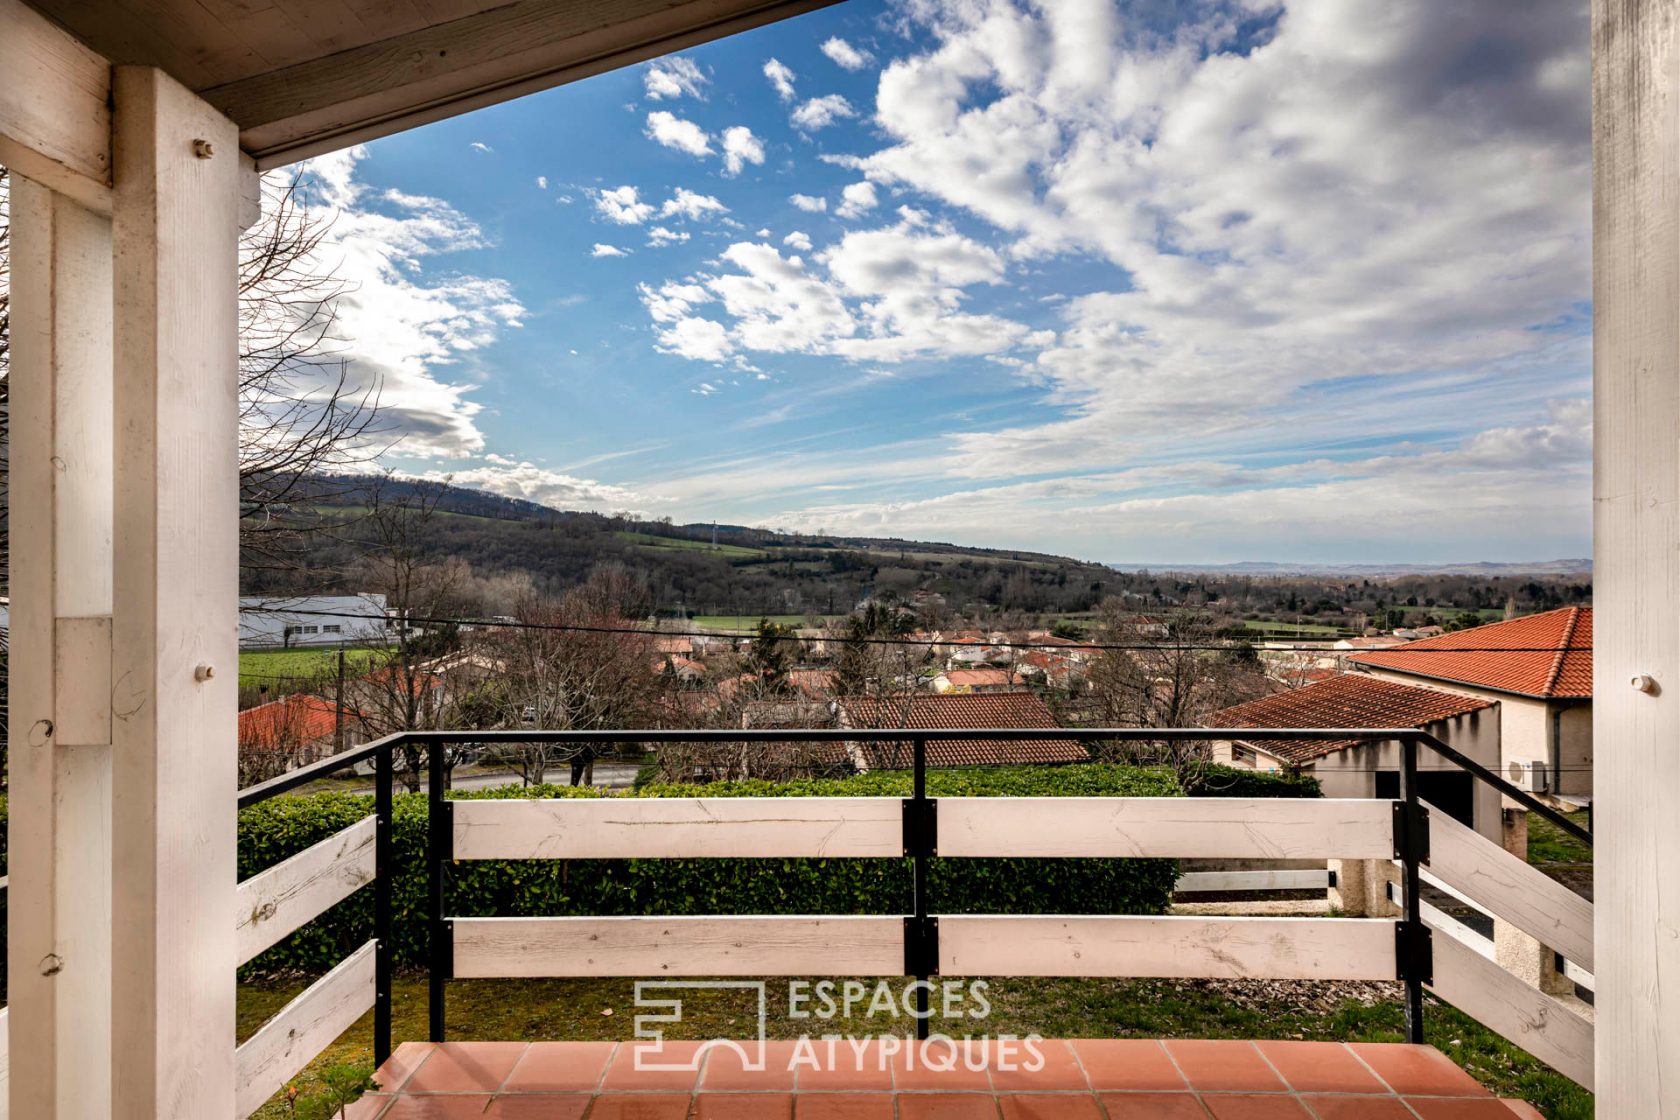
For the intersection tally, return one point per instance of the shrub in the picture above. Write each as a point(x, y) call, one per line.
point(1233, 781)
point(278, 828)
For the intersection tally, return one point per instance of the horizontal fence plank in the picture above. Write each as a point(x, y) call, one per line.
point(303, 1028)
point(677, 827)
point(1445, 923)
point(1505, 1005)
point(1178, 947)
point(1207, 882)
point(1183, 827)
point(1498, 882)
point(276, 901)
point(685, 946)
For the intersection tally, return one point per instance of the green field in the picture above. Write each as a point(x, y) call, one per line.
point(1295, 628)
point(682, 544)
point(745, 622)
point(289, 668)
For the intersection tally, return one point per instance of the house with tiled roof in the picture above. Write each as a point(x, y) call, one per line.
point(1538, 667)
point(1350, 768)
point(956, 710)
point(977, 680)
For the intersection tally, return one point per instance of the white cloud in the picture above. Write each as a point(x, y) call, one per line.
point(675, 132)
point(846, 56)
point(481, 146)
point(820, 112)
point(798, 239)
point(622, 205)
point(546, 487)
point(404, 330)
point(603, 250)
point(740, 147)
point(856, 200)
point(671, 78)
point(781, 78)
point(809, 203)
point(542, 182)
point(660, 235)
point(692, 205)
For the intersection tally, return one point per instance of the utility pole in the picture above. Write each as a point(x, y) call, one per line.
point(338, 706)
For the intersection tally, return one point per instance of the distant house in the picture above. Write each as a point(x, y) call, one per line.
point(300, 725)
point(1540, 670)
point(976, 680)
point(314, 620)
point(960, 710)
point(1352, 768)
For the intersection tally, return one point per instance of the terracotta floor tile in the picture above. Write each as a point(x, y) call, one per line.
point(550, 1067)
point(726, 1067)
point(464, 1107)
point(922, 1067)
point(947, 1106)
point(1127, 1063)
point(541, 1106)
point(623, 1071)
point(1358, 1108)
point(637, 1106)
point(1049, 1106)
point(404, 1060)
point(465, 1067)
point(1446, 1108)
point(843, 1106)
point(1255, 1106)
point(1417, 1069)
point(1223, 1065)
point(1320, 1067)
point(840, 1065)
point(743, 1106)
point(1056, 1068)
point(1153, 1106)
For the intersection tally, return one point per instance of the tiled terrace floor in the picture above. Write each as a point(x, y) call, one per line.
point(1127, 1079)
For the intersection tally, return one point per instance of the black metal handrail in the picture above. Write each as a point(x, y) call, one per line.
point(1413, 952)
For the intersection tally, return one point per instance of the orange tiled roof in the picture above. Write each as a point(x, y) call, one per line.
point(963, 710)
point(979, 678)
point(290, 721)
point(1547, 655)
point(1347, 700)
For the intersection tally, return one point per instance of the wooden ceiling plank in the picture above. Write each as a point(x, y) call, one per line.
point(444, 70)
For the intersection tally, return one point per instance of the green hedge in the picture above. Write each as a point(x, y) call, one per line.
point(1231, 781)
point(283, 826)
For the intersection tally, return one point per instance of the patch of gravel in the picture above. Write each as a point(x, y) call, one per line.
point(1316, 997)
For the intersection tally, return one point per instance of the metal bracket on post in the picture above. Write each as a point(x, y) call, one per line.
point(1414, 952)
point(921, 827)
point(921, 946)
point(1411, 831)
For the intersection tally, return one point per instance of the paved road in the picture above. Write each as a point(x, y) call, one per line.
point(608, 775)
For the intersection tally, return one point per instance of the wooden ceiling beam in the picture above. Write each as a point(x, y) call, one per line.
point(451, 68)
point(55, 116)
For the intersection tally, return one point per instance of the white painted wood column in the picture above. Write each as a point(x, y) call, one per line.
point(59, 951)
point(1636, 554)
point(174, 665)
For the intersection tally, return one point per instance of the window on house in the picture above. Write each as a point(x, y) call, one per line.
point(332, 628)
point(1243, 754)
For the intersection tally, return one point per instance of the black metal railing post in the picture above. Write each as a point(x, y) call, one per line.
point(440, 845)
point(1412, 949)
point(384, 867)
point(920, 842)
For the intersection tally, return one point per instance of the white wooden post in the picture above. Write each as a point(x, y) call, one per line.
point(1636, 554)
point(174, 665)
point(59, 952)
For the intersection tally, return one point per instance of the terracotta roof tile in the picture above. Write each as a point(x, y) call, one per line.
point(963, 710)
point(1349, 700)
point(1547, 655)
point(290, 721)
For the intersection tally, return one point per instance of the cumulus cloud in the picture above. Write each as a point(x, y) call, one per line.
point(740, 147)
point(674, 132)
point(546, 487)
point(622, 205)
point(409, 327)
point(798, 239)
point(820, 112)
point(811, 204)
point(542, 182)
point(692, 205)
point(781, 79)
point(846, 56)
point(670, 78)
point(660, 235)
point(602, 249)
point(856, 200)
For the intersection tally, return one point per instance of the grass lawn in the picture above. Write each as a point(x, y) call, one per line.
point(289, 666)
point(682, 544)
point(1547, 843)
point(748, 622)
point(1291, 627)
point(1058, 1008)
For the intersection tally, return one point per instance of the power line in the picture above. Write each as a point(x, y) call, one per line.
point(1069, 645)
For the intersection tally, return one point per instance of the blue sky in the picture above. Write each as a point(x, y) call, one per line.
point(1135, 282)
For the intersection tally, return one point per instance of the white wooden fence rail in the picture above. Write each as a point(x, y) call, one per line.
point(303, 1028)
point(276, 901)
